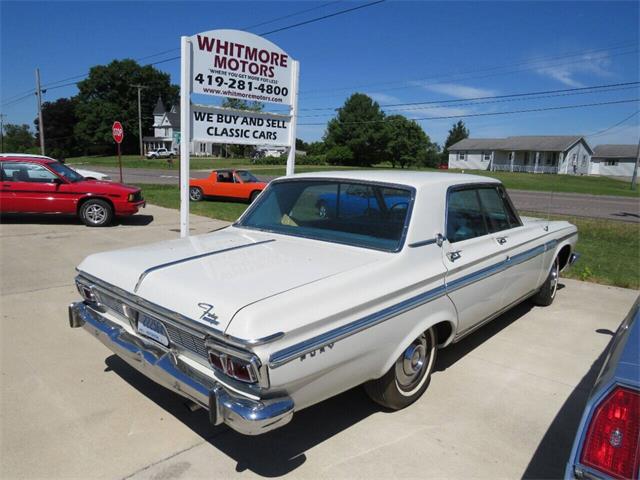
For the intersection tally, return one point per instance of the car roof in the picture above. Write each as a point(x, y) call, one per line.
point(413, 178)
point(16, 157)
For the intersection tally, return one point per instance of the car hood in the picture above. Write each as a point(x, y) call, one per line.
point(225, 270)
point(105, 186)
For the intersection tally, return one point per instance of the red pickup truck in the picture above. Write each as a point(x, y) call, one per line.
point(38, 184)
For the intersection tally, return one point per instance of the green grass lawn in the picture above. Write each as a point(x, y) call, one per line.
point(610, 250)
point(519, 181)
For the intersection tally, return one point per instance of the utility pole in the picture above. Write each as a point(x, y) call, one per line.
point(634, 178)
point(2, 115)
point(40, 123)
point(140, 87)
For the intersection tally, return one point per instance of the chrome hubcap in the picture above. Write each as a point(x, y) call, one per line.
point(96, 214)
point(411, 365)
point(555, 274)
point(195, 194)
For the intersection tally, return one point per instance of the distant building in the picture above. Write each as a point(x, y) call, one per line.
point(532, 154)
point(166, 133)
point(614, 160)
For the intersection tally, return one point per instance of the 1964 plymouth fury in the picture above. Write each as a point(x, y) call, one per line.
point(328, 281)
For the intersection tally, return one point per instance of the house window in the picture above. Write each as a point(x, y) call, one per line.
point(584, 160)
point(461, 155)
point(203, 148)
point(611, 163)
point(486, 156)
point(526, 158)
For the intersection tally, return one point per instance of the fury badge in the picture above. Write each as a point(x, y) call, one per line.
point(315, 352)
point(208, 314)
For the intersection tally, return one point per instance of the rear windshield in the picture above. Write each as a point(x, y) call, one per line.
point(359, 214)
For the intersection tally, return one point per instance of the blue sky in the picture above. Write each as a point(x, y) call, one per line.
point(397, 52)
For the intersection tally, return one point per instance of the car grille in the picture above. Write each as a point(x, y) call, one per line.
point(177, 336)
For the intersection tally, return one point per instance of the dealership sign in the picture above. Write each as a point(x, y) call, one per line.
point(236, 64)
point(240, 65)
point(226, 125)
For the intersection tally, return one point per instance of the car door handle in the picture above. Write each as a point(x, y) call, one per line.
point(455, 255)
point(501, 240)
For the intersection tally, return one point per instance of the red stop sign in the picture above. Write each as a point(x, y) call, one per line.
point(117, 131)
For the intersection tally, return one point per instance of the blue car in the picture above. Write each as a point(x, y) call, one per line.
point(607, 444)
point(355, 200)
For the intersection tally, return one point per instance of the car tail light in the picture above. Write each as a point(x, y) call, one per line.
point(612, 441)
point(234, 367)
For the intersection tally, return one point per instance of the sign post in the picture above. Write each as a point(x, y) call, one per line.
point(234, 64)
point(118, 134)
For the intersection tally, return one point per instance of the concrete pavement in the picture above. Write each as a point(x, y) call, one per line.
point(503, 403)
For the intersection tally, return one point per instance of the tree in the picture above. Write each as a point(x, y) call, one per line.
point(405, 141)
point(239, 104)
point(359, 126)
point(18, 138)
point(316, 148)
point(301, 145)
point(457, 132)
point(108, 95)
point(59, 119)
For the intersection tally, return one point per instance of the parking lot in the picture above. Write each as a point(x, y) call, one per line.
point(503, 403)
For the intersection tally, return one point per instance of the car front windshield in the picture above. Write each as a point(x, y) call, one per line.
point(246, 177)
point(66, 172)
point(360, 214)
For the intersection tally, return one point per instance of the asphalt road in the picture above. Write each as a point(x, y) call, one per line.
point(503, 403)
point(592, 206)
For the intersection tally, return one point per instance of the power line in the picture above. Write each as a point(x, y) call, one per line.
point(531, 110)
point(596, 134)
point(491, 97)
point(533, 60)
point(324, 17)
point(244, 28)
point(295, 14)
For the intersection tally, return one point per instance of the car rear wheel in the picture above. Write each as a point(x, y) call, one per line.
point(96, 213)
point(409, 376)
point(547, 292)
point(195, 194)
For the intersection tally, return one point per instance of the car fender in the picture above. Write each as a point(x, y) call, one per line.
point(445, 312)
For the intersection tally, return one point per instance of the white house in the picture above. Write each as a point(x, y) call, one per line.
point(533, 154)
point(166, 133)
point(614, 160)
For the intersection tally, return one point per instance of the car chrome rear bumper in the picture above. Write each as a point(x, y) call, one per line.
point(243, 414)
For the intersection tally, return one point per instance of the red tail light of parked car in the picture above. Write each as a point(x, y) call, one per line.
point(613, 438)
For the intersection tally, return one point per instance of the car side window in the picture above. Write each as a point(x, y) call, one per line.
point(26, 172)
point(465, 218)
point(499, 214)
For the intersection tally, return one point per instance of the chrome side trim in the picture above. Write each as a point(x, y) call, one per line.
point(288, 354)
point(173, 318)
point(144, 274)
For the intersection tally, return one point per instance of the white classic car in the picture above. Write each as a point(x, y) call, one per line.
point(326, 282)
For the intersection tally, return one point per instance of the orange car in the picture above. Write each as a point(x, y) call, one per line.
point(232, 184)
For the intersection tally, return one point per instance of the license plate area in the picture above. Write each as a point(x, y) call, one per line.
point(151, 328)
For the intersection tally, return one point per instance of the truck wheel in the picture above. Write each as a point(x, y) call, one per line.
point(96, 213)
point(253, 196)
point(547, 292)
point(195, 194)
point(409, 376)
